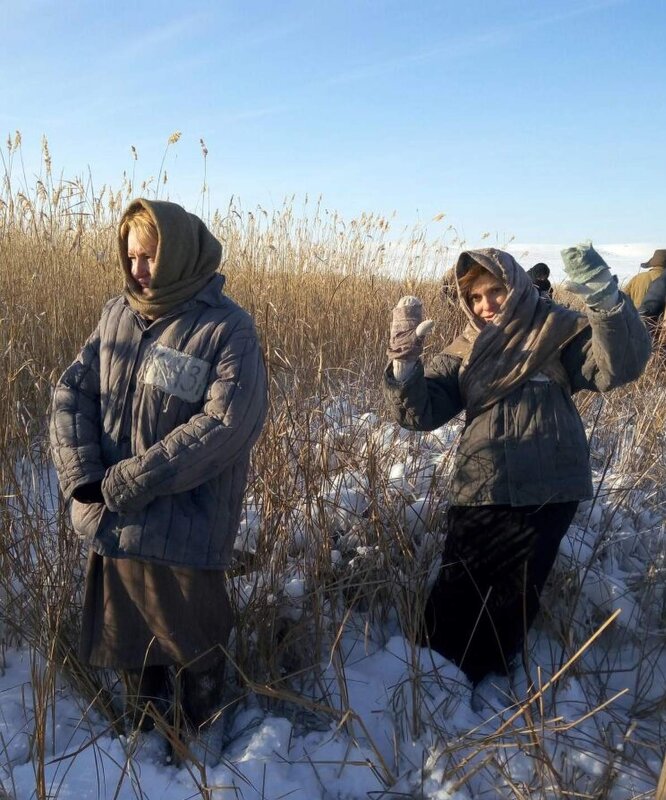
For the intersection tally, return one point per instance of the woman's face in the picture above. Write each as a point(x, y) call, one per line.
point(486, 297)
point(141, 251)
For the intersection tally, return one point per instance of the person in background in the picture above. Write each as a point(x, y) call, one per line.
point(448, 290)
point(151, 431)
point(522, 464)
point(540, 274)
point(652, 307)
point(653, 269)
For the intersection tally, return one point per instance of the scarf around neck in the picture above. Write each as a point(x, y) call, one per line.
point(188, 256)
point(524, 338)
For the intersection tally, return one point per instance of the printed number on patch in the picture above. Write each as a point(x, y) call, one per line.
point(176, 373)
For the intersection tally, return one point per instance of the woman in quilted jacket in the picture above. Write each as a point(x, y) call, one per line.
point(151, 431)
point(522, 464)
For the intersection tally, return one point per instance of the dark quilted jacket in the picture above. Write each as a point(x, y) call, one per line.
point(165, 413)
point(530, 447)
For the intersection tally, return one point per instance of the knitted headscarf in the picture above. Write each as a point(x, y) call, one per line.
point(187, 257)
point(526, 336)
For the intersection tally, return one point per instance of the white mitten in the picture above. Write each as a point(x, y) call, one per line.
point(408, 330)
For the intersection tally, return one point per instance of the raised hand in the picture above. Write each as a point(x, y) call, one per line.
point(590, 277)
point(408, 330)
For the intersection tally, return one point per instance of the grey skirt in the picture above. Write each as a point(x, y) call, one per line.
point(138, 614)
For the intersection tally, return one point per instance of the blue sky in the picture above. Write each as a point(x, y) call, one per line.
point(540, 120)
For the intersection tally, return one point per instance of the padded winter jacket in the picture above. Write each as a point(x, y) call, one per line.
point(530, 447)
point(165, 412)
point(637, 286)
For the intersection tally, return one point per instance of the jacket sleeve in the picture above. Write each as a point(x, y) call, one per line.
point(428, 398)
point(75, 421)
point(209, 442)
point(654, 301)
point(611, 352)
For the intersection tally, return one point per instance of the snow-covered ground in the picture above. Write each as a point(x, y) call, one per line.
point(402, 723)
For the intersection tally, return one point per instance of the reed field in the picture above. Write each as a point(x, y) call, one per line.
point(343, 526)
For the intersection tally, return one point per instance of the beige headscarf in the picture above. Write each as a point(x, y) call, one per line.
point(188, 255)
point(525, 337)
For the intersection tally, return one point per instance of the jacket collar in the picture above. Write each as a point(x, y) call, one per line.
point(212, 295)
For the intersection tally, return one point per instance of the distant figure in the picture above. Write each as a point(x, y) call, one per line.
point(539, 274)
point(654, 302)
point(449, 290)
point(637, 287)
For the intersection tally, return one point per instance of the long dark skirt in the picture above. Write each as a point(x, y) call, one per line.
point(137, 614)
point(496, 561)
point(164, 629)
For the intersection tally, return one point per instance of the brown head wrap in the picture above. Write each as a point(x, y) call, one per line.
point(187, 257)
point(525, 337)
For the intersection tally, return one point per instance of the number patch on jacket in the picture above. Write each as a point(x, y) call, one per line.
point(176, 373)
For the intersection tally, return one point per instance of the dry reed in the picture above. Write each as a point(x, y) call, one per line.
point(321, 289)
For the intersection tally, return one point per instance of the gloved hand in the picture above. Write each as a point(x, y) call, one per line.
point(89, 493)
point(590, 277)
point(408, 330)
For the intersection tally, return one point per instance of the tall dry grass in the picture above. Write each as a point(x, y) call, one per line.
point(321, 289)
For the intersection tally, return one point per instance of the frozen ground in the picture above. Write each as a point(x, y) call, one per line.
point(404, 725)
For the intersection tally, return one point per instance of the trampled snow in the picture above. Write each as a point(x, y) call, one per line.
point(404, 724)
